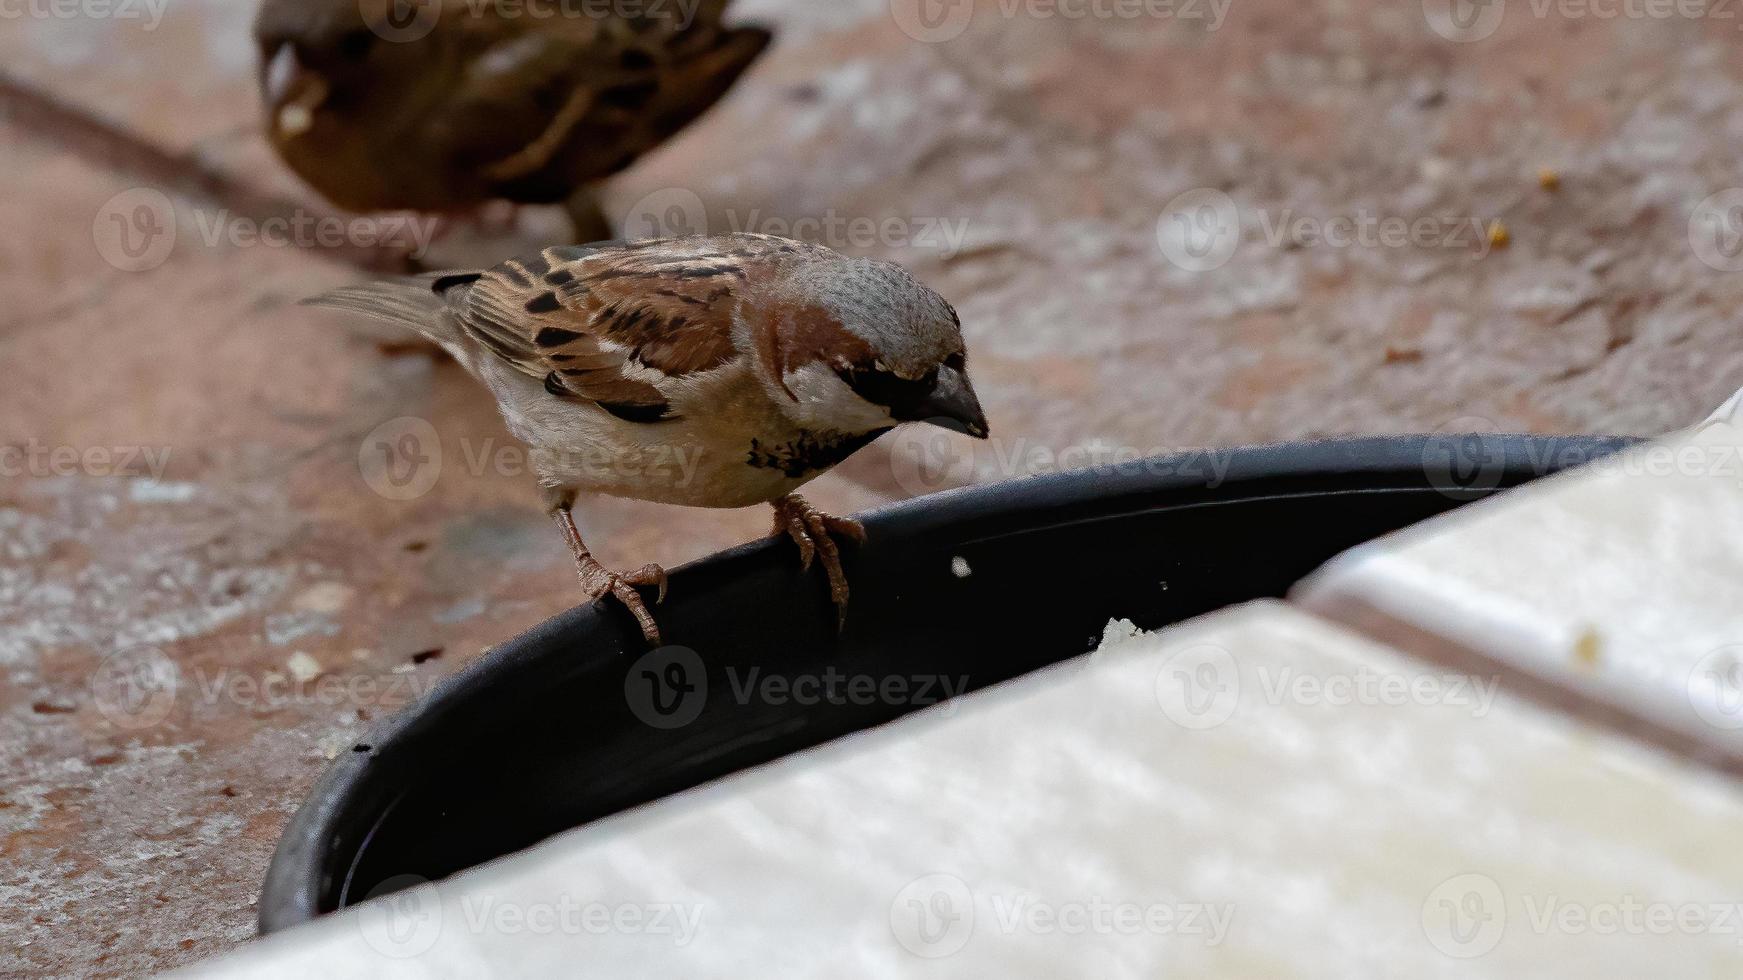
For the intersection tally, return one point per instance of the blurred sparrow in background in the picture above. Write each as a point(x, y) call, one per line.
point(444, 105)
point(764, 361)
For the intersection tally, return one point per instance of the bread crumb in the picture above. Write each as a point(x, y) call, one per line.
point(1549, 180)
point(1588, 649)
point(303, 668)
point(327, 597)
point(1499, 236)
point(1118, 631)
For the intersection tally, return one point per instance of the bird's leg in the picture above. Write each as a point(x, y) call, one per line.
point(586, 216)
point(812, 530)
point(599, 581)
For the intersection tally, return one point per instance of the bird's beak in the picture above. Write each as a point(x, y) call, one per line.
point(952, 405)
point(292, 92)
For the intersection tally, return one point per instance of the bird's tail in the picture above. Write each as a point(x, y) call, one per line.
point(417, 303)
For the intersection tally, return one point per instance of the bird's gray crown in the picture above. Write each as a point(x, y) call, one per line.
point(910, 326)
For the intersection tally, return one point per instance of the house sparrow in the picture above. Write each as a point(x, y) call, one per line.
point(762, 361)
point(529, 102)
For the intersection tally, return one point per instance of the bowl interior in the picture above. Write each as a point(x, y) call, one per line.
point(577, 720)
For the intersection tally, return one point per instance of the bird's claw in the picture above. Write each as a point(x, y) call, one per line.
point(599, 582)
point(814, 532)
point(650, 575)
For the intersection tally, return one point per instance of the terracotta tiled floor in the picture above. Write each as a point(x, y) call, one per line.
point(1024, 167)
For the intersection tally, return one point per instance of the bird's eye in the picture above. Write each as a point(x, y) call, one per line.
point(957, 362)
point(354, 45)
point(889, 389)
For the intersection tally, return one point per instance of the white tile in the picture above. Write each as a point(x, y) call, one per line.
point(1618, 585)
point(1254, 794)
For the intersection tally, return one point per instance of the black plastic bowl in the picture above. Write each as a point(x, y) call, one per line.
point(576, 720)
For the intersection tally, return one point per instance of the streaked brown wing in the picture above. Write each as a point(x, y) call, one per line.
point(609, 322)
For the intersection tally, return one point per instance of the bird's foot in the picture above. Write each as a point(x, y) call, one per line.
point(814, 532)
point(599, 582)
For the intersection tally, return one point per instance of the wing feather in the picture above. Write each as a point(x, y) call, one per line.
point(609, 322)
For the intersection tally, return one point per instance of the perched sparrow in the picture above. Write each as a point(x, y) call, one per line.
point(525, 100)
point(754, 362)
